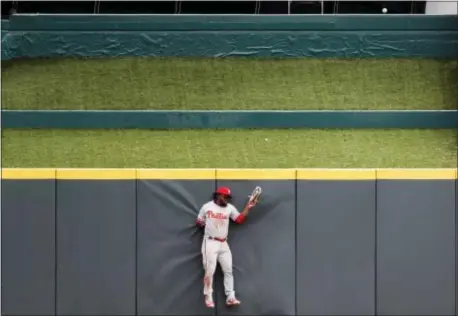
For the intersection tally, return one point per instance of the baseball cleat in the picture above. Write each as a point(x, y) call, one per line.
point(209, 302)
point(232, 302)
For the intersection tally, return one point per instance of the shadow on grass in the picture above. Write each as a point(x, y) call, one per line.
point(41, 61)
point(27, 61)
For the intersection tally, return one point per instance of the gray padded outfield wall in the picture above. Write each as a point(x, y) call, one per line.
point(170, 274)
point(263, 250)
point(320, 242)
point(416, 247)
point(96, 223)
point(28, 247)
point(335, 247)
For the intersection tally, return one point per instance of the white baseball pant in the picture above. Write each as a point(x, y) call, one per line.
point(214, 251)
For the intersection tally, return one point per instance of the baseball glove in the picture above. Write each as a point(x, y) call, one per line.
point(254, 197)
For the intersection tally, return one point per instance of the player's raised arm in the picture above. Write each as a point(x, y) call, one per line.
point(238, 217)
point(201, 217)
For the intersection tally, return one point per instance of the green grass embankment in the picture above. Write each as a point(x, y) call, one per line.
point(230, 84)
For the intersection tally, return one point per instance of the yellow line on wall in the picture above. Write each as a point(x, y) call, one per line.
point(417, 174)
point(256, 174)
point(230, 174)
point(336, 174)
point(96, 174)
point(176, 174)
point(31, 173)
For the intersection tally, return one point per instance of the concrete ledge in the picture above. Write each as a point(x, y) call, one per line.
point(150, 119)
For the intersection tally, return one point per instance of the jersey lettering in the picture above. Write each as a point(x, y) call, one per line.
point(210, 214)
point(216, 219)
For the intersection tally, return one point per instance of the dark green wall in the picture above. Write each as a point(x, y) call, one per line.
point(234, 23)
point(224, 119)
point(7, 41)
point(217, 36)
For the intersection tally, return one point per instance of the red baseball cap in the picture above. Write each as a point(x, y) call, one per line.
point(224, 191)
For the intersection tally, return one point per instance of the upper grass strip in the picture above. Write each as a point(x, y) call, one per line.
point(230, 84)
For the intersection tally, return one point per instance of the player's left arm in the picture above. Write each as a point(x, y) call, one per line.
point(238, 217)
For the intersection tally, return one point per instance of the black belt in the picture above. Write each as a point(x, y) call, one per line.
point(218, 239)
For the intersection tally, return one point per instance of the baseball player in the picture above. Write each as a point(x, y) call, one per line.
point(214, 218)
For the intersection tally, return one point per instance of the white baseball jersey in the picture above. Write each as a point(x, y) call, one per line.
point(216, 219)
